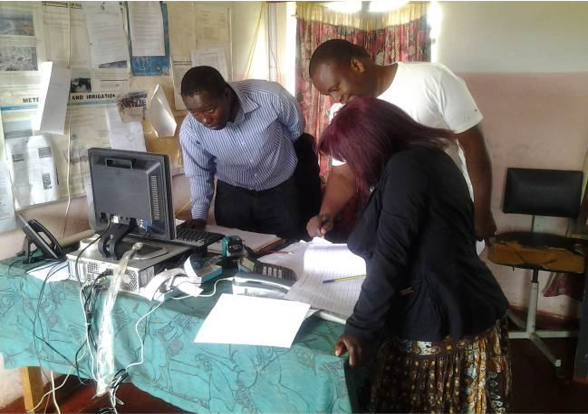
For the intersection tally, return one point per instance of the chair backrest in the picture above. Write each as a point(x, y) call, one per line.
point(541, 192)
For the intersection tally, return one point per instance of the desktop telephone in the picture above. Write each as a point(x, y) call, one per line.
point(248, 264)
point(37, 234)
point(261, 279)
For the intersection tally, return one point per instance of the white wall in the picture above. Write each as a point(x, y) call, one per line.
point(499, 37)
point(526, 64)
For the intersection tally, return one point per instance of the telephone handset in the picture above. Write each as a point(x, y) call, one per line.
point(262, 279)
point(37, 234)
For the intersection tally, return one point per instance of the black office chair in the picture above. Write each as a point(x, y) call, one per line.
point(540, 192)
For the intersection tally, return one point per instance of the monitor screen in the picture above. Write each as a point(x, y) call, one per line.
point(133, 192)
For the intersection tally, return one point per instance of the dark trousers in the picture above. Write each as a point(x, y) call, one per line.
point(307, 177)
point(274, 211)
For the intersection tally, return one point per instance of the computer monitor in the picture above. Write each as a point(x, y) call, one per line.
point(132, 194)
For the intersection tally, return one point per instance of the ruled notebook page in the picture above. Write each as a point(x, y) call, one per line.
point(329, 261)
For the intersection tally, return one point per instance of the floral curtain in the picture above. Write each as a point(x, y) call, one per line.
point(399, 35)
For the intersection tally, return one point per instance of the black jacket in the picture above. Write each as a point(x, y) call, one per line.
point(417, 230)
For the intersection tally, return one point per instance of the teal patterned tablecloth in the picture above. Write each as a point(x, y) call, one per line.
point(203, 378)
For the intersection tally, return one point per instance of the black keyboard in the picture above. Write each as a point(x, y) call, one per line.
point(196, 238)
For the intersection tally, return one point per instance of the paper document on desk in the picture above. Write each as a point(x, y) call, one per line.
point(248, 320)
point(329, 261)
point(51, 272)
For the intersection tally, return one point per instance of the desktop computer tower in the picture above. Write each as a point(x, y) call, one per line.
point(86, 265)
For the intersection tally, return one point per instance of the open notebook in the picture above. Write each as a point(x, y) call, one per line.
point(316, 262)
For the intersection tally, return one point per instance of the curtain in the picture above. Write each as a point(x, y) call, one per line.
point(399, 35)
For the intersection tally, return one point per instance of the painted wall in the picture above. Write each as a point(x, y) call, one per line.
point(526, 64)
point(532, 121)
point(520, 37)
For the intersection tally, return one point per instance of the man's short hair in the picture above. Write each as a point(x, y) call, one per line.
point(203, 79)
point(336, 50)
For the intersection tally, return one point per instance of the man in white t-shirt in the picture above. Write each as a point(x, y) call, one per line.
point(430, 93)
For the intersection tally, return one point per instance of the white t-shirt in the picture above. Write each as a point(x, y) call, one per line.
point(433, 96)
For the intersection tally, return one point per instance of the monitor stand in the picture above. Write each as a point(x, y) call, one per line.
point(116, 241)
point(108, 244)
point(148, 251)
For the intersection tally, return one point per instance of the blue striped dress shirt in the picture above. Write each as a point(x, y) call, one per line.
point(254, 152)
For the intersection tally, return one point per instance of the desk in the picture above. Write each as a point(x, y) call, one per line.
point(203, 378)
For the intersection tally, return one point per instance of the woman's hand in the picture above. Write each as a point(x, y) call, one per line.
point(319, 225)
point(354, 347)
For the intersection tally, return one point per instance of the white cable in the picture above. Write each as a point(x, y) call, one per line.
point(105, 352)
point(32, 410)
point(230, 279)
point(141, 359)
point(53, 391)
point(68, 130)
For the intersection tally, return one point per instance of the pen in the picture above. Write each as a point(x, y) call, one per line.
point(282, 252)
point(342, 279)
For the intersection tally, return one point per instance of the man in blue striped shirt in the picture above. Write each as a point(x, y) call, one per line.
point(241, 133)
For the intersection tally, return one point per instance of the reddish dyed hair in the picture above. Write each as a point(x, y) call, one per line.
point(368, 131)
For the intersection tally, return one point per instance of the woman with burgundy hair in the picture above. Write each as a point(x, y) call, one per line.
point(430, 304)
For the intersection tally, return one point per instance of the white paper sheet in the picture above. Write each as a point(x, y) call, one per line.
point(7, 217)
point(66, 34)
point(322, 262)
point(160, 114)
point(124, 136)
point(55, 85)
point(212, 23)
point(32, 168)
point(214, 57)
point(146, 28)
point(88, 129)
point(180, 65)
point(237, 319)
point(108, 42)
point(111, 80)
point(182, 27)
point(56, 272)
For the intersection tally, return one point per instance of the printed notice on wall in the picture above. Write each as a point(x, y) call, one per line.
point(32, 168)
point(7, 218)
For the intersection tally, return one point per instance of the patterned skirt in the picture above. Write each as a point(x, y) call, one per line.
point(471, 375)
